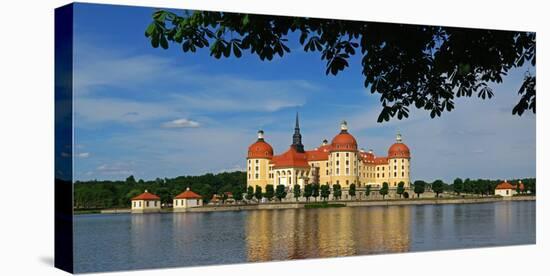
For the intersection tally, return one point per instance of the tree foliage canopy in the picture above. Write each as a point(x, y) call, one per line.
point(426, 67)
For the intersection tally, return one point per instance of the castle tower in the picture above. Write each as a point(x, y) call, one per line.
point(344, 158)
point(259, 155)
point(399, 165)
point(297, 137)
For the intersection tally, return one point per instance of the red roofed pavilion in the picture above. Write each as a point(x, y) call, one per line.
point(505, 189)
point(185, 200)
point(146, 203)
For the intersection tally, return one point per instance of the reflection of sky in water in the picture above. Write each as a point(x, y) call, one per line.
point(119, 242)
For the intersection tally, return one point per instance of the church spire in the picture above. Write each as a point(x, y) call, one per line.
point(297, 137)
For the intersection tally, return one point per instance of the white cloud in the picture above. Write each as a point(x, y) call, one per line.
point(145, 88)
point(236, 167)
point(100, 110)
point(115, 169)
point(83, 155)
point(181, 123)
point(79, 155)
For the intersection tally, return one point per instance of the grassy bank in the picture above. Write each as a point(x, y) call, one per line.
point(323, 205)
point(87, 211)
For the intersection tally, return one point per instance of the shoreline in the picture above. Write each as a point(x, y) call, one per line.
point(302, 204)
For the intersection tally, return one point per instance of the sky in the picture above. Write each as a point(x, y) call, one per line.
point(164, 113)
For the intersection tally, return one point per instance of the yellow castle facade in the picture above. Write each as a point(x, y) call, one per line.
point(338, 162)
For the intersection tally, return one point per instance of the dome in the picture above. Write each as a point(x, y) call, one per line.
point(344, 141)
point(260, 149)
point(399, 150)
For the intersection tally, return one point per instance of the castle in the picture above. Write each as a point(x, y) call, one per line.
point(340, 162)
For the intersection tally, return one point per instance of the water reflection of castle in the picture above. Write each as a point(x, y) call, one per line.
point(300, 233)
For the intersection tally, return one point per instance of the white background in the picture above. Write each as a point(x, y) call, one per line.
point(27, 124)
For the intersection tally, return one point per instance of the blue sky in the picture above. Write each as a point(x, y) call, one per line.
point(162, 113)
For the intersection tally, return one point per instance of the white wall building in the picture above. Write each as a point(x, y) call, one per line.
point(146, 203)
point(187, 199)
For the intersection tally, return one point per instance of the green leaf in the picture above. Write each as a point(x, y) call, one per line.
point(245, 20)
point(236, 51)
point(150, 29)
point(163, 42)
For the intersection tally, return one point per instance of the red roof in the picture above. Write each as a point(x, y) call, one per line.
point(318, 154)
point(344, 142)
point(505, 186)
point(260, 149)
point(188, 194)
point(380, 160)
point(399, 150)
point(367, 157)
point(291, 158)
point(146, 196)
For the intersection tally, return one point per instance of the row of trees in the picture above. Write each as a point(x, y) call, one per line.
point(482, 187)
point(309, 191)
point(117, 194)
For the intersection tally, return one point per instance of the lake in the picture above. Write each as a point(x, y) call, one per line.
point(124, 241)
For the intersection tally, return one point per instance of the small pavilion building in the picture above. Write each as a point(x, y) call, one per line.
point(187, 199)
point(505, 189)
point(146, 203)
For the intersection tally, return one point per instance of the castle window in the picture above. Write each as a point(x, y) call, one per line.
point(337, 171)
point(327, 172)
point(257, 161)
point(249, 161)
point(347, 170)
point(326, 164)
point(403, 174)
point(337, 163)
point(347, 182)
point(395, 167)
point(347, 154)
point(249, 176)
point(337, 155)
point(402, 167)
point(377, 175)
point(347, 162)
point(394, 174)
point(256, 176)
